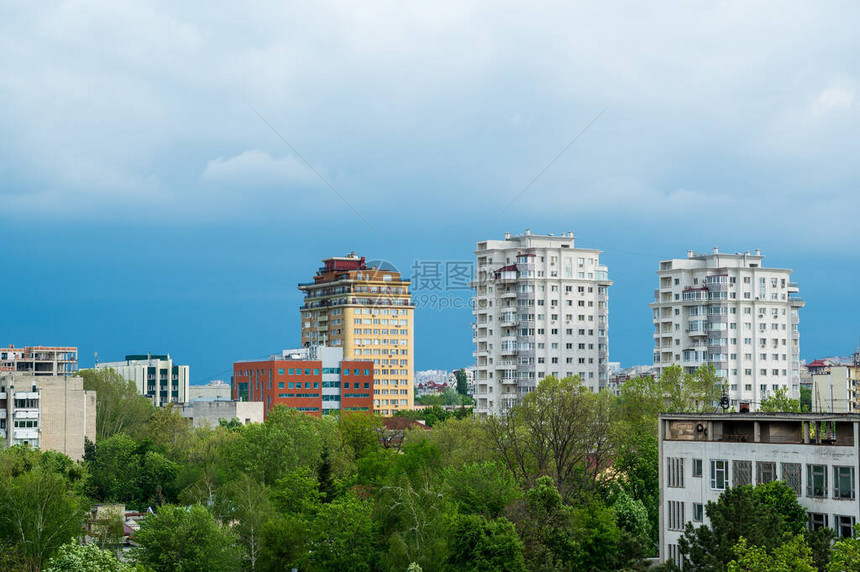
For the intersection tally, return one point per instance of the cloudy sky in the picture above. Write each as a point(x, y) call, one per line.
point(147, 205)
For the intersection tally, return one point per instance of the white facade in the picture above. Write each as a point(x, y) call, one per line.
point(215, 389)
point(729, 311)
point(702, 455)
point(156, 377)
point(541, 308)
point(205, 413)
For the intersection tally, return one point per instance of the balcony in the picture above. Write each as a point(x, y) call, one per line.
point(510, 294)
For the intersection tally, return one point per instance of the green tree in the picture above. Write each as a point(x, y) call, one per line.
point(481, 488)
point(477, 544)
point(73, 557)
point(845, 556)
point(462, 382)
point(561, 429)
point(38, 514)
point(341, 537)
point(122, 470)
point(244, 504)
point(780, 402)
point(359, 432)
point(121, 409)
point(793, 555)
point(179, 539)
point(288, 439)
point(763, 515)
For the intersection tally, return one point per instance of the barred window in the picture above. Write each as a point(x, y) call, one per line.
point(675, 514)
point(843, 482)
point(765, 472)
point(742, 473)
point(816, 480)
point(791, 476)
point(674, 472)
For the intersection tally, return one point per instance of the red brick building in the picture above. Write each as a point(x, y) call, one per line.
point(315, 380)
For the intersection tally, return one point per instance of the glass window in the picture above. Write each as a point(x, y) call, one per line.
point(817, 520)
point(280, 385)
point(698, 511)
point(307, 372)
point(367, 372)
point(742, 473)
point(816, 480)
point(844, 526)
point(843, 482)
point(316, 371)
point(291, 385)
point(791, 476)
point(697, 467)
point(719, 470)
point(346, 371)
point(307, 385)
point(290, 371)
point(280, 371)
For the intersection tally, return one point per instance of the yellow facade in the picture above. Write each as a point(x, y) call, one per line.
point(368, 312)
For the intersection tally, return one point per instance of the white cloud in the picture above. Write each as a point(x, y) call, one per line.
point(258, 168)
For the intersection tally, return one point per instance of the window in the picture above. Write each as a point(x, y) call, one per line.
point(765, 472)
point(697, 467)
point(844, 526)
point(674, 472)
point(817, 520)
point(698, 511)
point(816, 481)
point(673, 553)
point(843, 482)
point(675, 513)
point(791, 476)
point(742, 473)
point(719, 468)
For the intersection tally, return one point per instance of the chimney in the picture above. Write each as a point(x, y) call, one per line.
point(757, 252)
point(507, 236)
point(689, 254)
point(528, 232)
point(716, 250)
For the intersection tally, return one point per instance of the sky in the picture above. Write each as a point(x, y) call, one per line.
point(169, 172)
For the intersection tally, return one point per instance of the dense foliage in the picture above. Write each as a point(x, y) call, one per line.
point(568, 480)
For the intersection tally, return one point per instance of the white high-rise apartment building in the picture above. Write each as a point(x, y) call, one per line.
point(156, 377)
point(729, 311)
point(541, 308)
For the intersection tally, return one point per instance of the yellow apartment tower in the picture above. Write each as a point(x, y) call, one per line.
point(366, 309)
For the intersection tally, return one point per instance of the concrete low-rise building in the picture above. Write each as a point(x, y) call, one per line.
point(204, 412)
point(47, 412)
point(703, 454)
point(215, 389)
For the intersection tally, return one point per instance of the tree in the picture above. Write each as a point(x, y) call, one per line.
point(38, 514)
point(120, 407)
point(780, 402)
point(359, 431)
point(341, 537)
point(179, 539)
point(845, 556)
point(122, 470)
point(481, 488)
point(791, 556)
point(244, 505)
point(462, 383)
point(561, 429)
point(764, 515)
point(478, 544)
point(73, 557)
